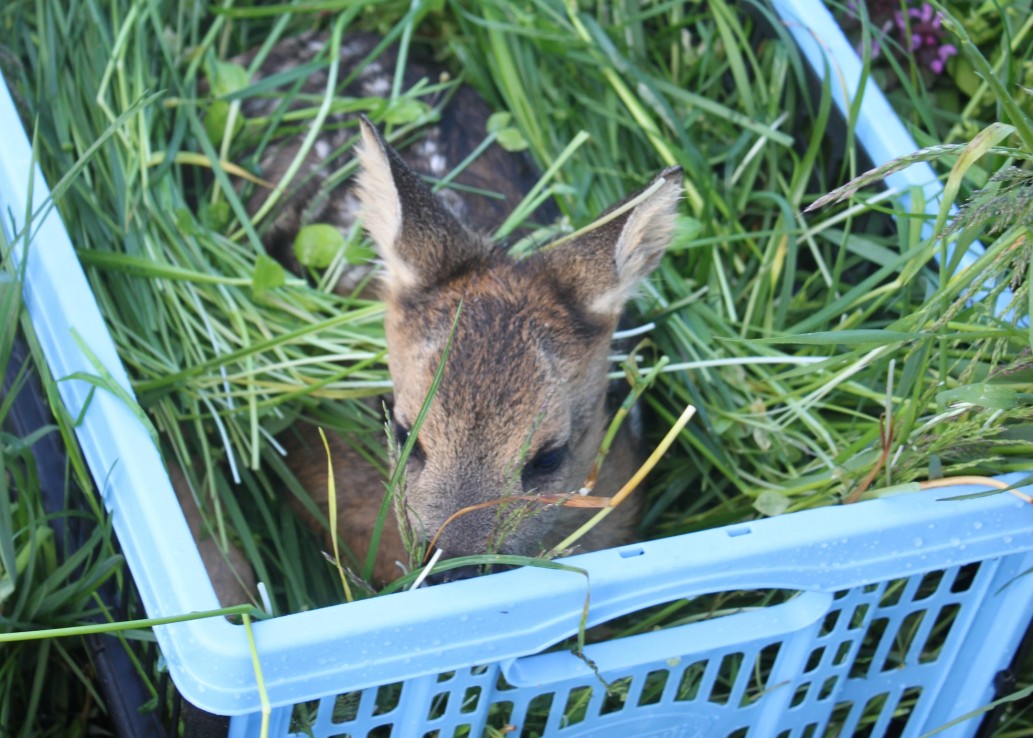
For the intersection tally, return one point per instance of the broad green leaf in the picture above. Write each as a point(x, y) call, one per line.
point(406, 110)
point(508, 137)
point(498, 121)
point(216, 119)
point(226, 78)
point(771, 503)
point(357, 252)
point(511, 139)
point(216, 216)
point(268, 274)
point(316, 245)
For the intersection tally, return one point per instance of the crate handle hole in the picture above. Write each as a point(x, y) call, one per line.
point(744, 530)
point(630, 553)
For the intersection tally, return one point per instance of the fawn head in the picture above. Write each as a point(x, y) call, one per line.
point(521, 406)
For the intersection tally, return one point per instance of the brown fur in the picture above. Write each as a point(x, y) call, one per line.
point(231, 575)
point(359, 491)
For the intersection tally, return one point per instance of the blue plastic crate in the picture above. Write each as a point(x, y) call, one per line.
point(905, 608)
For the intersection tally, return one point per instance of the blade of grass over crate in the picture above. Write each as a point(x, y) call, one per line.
point(506, 560)
point(266, 708)
point(1017, 696)
point(79, 630)
point(485, 560)
point(104, 380)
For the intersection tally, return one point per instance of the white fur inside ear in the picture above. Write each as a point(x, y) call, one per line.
point(381, 206)
point(642, 242)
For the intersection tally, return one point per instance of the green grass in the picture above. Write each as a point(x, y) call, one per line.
point(54, 557)
point(826, 356)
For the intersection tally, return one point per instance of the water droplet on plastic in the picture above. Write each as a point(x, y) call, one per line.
point(919, 543)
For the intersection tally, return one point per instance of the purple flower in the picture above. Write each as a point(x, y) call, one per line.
point(918, 30)
point(939, 62)
point(923, 29)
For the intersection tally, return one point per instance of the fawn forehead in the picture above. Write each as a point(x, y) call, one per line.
point(521, 346)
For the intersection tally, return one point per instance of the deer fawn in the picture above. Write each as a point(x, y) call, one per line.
point(524, 399)
point(522, 404)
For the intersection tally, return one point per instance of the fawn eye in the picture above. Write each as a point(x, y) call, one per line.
point(401, 435)
point(402, 432)
point(545, 462)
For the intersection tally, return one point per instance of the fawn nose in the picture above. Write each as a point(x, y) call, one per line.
point(465, 572)
point(454, 575)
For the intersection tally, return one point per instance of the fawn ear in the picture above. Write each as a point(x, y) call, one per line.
point(604, 265)
point(420, 240)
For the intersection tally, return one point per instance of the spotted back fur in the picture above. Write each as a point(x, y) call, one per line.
point(488, 188)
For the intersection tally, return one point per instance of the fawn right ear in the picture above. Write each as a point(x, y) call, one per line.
point(604, 266)
point(419, 239)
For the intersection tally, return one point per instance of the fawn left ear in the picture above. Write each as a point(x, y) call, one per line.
point(420, 240)
point(604, 266)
